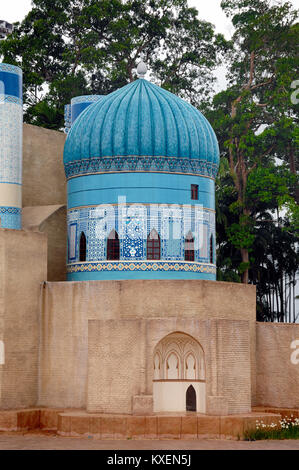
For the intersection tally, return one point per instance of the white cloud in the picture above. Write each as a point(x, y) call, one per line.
point(14, 10)
point(212, 12)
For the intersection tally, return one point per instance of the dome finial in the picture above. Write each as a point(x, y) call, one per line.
point(141, 68)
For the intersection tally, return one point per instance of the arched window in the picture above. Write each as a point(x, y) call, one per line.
point(113, 246)
point(190, 367)
point(189, 247)
point(191, 399)
point(82, 254)
point(172, 367)
point(153, 248)
point(211, 249)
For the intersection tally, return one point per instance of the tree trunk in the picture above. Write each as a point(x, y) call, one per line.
point(293, 170)
point(245, 259)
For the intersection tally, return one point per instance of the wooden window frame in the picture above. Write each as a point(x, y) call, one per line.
point(194, 192)
point(189, 252)
point(153, 247)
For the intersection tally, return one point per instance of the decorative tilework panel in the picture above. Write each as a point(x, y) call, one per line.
point(11, 69)
point(85, 99)
point(142, 266)
point(11, 120)
point(11, 217)
point(134, 223)
point(67, 118)
point(141, 164)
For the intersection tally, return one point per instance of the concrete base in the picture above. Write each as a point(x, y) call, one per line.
point(155, 426)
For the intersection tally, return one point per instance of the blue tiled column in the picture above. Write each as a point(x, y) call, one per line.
point(80, 103)
point(11, 139)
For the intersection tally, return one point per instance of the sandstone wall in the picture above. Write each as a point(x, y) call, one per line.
point(56, 229)
point(278, 365)
point(67, 307)
point(23, 268)
point(44, 181)
point(120, 361)
point(44, 185)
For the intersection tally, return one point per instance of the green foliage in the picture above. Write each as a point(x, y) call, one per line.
point(287, 428)
point(71, 47)
point(240, 234)
point(257, 122)
point(270, 187)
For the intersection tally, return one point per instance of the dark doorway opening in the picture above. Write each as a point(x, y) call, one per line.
point(82, 255)
point(191, 399)
point(113, 247)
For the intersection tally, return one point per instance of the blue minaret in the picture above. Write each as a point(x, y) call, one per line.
point(78, 105)
point(11, 141)
point(141, 166)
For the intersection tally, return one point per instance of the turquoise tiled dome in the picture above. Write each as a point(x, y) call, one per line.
point(141, 120)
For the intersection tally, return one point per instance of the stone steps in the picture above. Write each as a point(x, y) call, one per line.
point(76, 423)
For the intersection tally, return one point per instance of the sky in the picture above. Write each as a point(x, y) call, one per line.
point(15, 10)
point(210, 10)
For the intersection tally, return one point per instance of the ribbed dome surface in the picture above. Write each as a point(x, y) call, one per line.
point(141, 119)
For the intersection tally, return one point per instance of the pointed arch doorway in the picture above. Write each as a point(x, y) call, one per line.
point(191, 399)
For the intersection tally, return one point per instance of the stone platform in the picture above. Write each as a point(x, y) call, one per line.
point(74, 423)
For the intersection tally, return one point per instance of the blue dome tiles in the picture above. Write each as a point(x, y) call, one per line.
point(141, 127)
point(141, 165)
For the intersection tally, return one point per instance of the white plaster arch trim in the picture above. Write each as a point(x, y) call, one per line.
point(187, 375)
point(171, 345)
point(158, 371)
point(182, 344)
point(167, 374)
point(195, 347)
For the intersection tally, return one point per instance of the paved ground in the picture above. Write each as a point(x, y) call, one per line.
point(52, 442)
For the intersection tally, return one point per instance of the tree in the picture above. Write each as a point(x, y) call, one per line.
point(250, 111)
point(274, 253)
point(72, 47)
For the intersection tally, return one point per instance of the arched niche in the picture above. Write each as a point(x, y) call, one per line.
point(181, 362)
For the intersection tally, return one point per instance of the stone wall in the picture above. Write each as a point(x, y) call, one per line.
point(44, 186)
point(23, 268)
point(121, 353)
point(67, 307)
point(278, 365)
point(44, 181)
point(55, 228)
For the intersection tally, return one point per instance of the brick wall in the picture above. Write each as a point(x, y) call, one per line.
point(23, 267)
point(277, 376)
point(120, 361)
point(67, 307)
point(44, 181)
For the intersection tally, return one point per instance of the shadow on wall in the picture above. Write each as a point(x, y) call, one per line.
point(52, 221)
